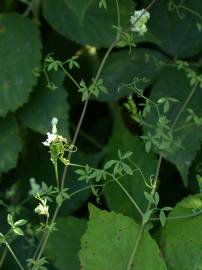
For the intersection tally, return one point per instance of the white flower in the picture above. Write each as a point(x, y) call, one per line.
point(51, 138)
point(54, 123)
point(139, 20)
point(35, 188)
point(42, 208)
point(54, 136)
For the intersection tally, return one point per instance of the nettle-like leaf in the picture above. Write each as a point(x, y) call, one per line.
point(186, 141)
point(20, 54)
point(45, 104)
point(10, 144)
point(121, 68)
point(179, 36)
point(109, 241)
point(85, 23)
point(181, 239)
point(64, 244)
point(123, 140)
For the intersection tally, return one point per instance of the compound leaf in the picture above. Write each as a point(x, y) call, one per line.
point(123, 140)
point(174, 83)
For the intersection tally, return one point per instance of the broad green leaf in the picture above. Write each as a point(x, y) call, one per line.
point(79, 8)
point(10, 144)
point(64, 244)
point(179, 37)
point(174, 83)
point(85, 23)
point(181, 240)
point(123, 140)
point(109, 242)
point(122, 68)
point(45, 104)
point(20, 56)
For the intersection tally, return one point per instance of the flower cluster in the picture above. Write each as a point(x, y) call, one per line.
point(52, 136)
point(58, 146)
point(42, 208)
point(139, 20)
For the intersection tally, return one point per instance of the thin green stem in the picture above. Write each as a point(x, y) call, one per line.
point(30, 5)
point(26, 200)
point(46, 76)
point(118, 17)
point(14, 256)
point(74, 141)
point(127, 194)
point(184, 106)
point(56, 173)
point(39, 246)
point(195, 214)
point(183, 127)
point(140, 171)
point(89, 138)
point(150, 101)
point(144, 123)
point(77, 165)
point(41, 241)
point(47, 234)
point(193, 12)
point(70, 76)
point(3, 257)
point(115, 179)
point(86, 188)
point(137, 241)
